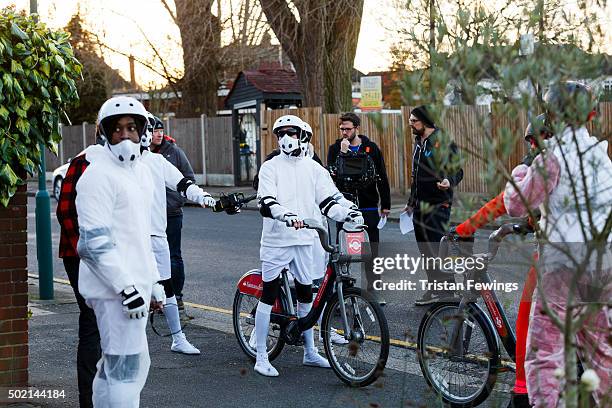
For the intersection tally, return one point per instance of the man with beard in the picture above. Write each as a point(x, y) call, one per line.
point(435, 172)
point(370, 193)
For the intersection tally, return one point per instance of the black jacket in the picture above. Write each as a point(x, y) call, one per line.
point(276, 152)
point(428, 168)
point(368, 196)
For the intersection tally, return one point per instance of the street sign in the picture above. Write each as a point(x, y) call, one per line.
point(371, 94)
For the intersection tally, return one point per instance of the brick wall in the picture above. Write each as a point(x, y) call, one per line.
point(14, 291)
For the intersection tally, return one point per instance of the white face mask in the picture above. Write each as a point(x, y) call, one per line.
point(289, 145)
point(145, 140)
point(307, 150)
point(126, 151)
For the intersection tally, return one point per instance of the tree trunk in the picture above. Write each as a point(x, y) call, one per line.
point(321, 45)
point(343, 25)
point(201, 39)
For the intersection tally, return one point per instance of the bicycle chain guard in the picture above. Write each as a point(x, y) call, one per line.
point(291, 332)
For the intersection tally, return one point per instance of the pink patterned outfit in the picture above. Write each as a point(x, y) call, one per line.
point(547, 184)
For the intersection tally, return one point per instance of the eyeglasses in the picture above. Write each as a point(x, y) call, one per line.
point(414, 120)
point(346, 129)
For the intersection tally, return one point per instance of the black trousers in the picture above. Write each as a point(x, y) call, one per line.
point(174, 228)
point(429, 227)
point(371, 219)
point(88, 349)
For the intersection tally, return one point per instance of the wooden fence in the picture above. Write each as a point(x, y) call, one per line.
point(469, 126)
point(212, 165)
point(208, 142)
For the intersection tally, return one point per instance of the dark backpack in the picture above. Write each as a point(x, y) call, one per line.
point(354, 171)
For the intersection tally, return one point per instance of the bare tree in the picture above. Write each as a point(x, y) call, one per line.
point(321, 44)
point(201, 41)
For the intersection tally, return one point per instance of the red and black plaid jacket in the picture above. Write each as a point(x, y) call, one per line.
point(66, 208)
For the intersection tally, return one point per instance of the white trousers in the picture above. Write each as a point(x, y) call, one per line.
point(298, 259)
point(161, 250)
point(124, 366)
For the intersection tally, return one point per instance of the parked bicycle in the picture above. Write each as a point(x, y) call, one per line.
point(347, 309)
point(458, 348)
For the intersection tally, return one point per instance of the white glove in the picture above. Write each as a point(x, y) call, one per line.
point(355, 217)
point(207, 201)
point(158, 294)
point(134, 305)
point(290, 218)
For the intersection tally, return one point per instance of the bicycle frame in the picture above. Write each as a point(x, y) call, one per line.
point(496, 315)
point(283, 310)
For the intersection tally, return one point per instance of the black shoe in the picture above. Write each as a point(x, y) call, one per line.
point(180, 304)
point(519, 401)
point(431, 297)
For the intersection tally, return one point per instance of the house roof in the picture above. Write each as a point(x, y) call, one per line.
point(274, 80)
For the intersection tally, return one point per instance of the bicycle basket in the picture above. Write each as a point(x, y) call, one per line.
point(354, 245)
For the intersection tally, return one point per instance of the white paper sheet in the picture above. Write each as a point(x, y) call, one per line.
point(406, 224)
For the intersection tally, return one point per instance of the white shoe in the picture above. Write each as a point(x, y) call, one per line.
point(182, 345)
point(314, 359)
point(337, 338)
point(253, 341)
point(263, 367)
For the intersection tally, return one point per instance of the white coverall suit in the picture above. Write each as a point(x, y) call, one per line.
point(164, 175)
point(297, 185)
point(114, 201)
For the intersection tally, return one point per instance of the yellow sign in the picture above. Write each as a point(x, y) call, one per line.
point(371, 93)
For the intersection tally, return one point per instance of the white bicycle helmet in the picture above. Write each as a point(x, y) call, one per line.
point(121, 106)
point(288, 120)
point(286, 142)
point(147, 137)
point(307, 135)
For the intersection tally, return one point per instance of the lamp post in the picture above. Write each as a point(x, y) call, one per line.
point(43, 219)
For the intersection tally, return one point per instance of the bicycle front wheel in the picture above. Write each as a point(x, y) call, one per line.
point(362, 359)
point(243, 319)
point(463, 375)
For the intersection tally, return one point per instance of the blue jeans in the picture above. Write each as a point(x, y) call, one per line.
point(177, 268)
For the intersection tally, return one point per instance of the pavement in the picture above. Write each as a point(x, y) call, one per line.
point(221, 376)
point(217, 250)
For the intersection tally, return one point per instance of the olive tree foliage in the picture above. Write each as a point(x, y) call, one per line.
point(38, 73)
point(459, 45)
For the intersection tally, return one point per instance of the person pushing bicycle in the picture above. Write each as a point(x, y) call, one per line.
point(535, 133)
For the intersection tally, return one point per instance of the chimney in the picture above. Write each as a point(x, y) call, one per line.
point(132, 73)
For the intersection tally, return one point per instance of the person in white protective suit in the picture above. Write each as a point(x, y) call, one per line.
point(571, 182)
point(166, 175)
point(291, 188)
point(319, 255)
point(118, 276)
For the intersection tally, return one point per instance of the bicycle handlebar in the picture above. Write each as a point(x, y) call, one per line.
point(495, 239)
point(497, 236)
point(232, 203)
point(323, 235)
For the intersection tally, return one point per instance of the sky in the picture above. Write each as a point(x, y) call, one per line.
point(121, 25)
point(113, 20)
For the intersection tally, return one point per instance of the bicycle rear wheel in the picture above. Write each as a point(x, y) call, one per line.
point(243, 319)
point(461, 379)
point(362, 360)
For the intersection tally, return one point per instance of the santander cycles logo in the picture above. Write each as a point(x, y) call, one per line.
point(354, 241)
